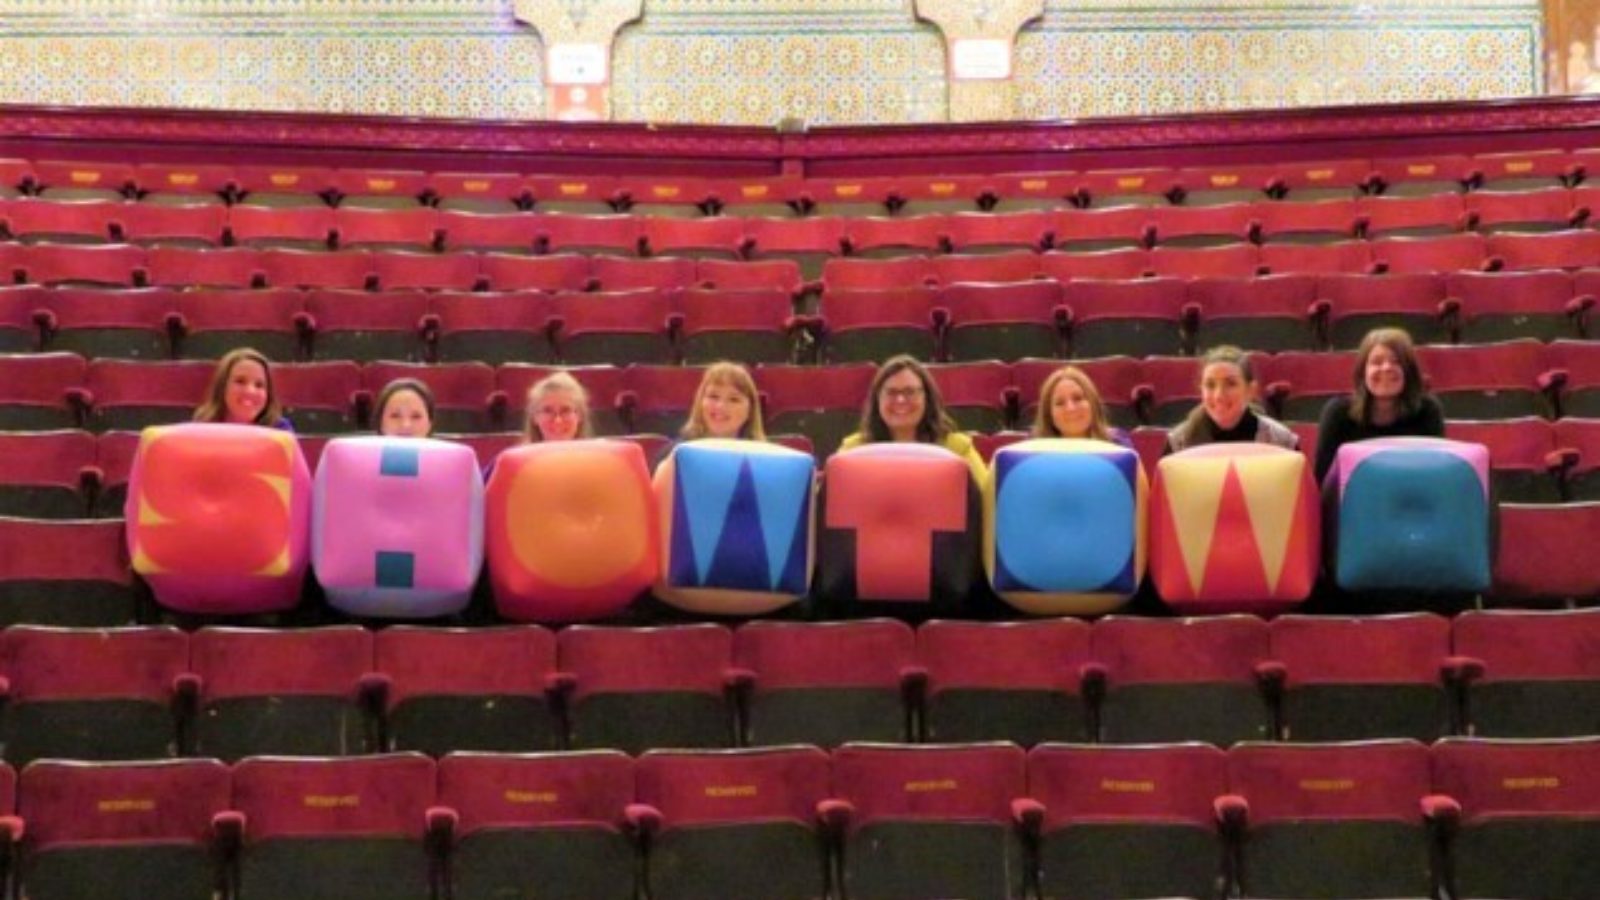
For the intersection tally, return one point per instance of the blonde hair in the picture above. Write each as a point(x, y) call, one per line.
point(732, 375)
point(1044, 424)
point(214, 408)
point(556, 381)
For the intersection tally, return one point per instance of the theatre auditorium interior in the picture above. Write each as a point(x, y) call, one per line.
point(820, 600)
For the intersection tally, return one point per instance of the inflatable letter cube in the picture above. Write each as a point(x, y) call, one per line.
point(1412, 514)
point(736, 520)
point(219, 517)
point(901, 525)
point(1066, 526)
point(397, 526)
point(571, 530)
point(1234, 528)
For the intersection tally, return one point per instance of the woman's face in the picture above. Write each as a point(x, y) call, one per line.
point(901, 402)
point(725, 410)
point(1384, 376)
point(1225, 394)
point(245, 395)
point(1070, 410)
point(405, 415)
point(556, 415)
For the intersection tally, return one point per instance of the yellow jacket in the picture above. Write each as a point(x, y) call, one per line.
point(956, 442)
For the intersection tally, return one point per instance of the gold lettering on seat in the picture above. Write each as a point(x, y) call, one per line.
point(847, 190)
point(332, 801)
point(942, 187)
point(1127, 183)
point(183, 179)
point(1319, 174)
point(1035, 184)
point(665, 191)
point(574, 190)
point(753, 190)
point(125, 805)
point(1120, 786)
point(932, 786)
point(85, 177)
point(476, 187)
point(725, 792)
point(1519, 167)
point(531, 797)
point(1224, 180)
point(1327, 785)
point(1535, 783)
point(1421, 169)
point(381, 184)
point(283, 179)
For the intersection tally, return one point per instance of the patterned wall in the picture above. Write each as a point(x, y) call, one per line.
point(1129, 57)
point(414, 57)
point(758, 61)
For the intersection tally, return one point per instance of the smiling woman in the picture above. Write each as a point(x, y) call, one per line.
point(1227, 413)
point(241, 392)
point(1070, 407)
point(726, 405)
point(558, 410)
point(904, 406)
point(1388, 399)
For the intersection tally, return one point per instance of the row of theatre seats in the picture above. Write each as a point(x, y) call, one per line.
point(157, 692)
point(688, 196)
point(424, 228)
point(69, 474)
point(1473, 819)
point(676, 321)
point(495, 257)
point(1504, 380)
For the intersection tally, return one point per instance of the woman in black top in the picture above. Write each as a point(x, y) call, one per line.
point(1389, 400)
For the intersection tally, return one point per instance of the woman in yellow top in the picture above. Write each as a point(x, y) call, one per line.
point(904, 406)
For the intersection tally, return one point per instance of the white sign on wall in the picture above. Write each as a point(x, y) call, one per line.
point(980, 59)
point(577, 64)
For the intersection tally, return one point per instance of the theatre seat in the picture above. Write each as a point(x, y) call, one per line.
point(126, 829)
point(734, 823)
point(455, 689)
point(336, 829)
point(118, 693)
point(826, 683)
point(550, 820)
point(1539, 678)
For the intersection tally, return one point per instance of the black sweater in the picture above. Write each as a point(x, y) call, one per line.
point(1337, 428)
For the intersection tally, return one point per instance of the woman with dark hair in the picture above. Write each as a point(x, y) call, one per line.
point(1388, 399)
point(404, 409)
point(1226, 413)
point(241, 392)
point(904, 406)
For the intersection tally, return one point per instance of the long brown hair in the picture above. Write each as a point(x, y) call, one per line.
point(1198, 423)
point(729, 374)
point(556, 381)
point(214, 408)
point(1044, 424)
point(935, 424)
point(1398, 342)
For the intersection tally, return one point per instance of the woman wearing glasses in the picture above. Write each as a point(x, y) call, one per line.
point(904, 406)
point(558, 410)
